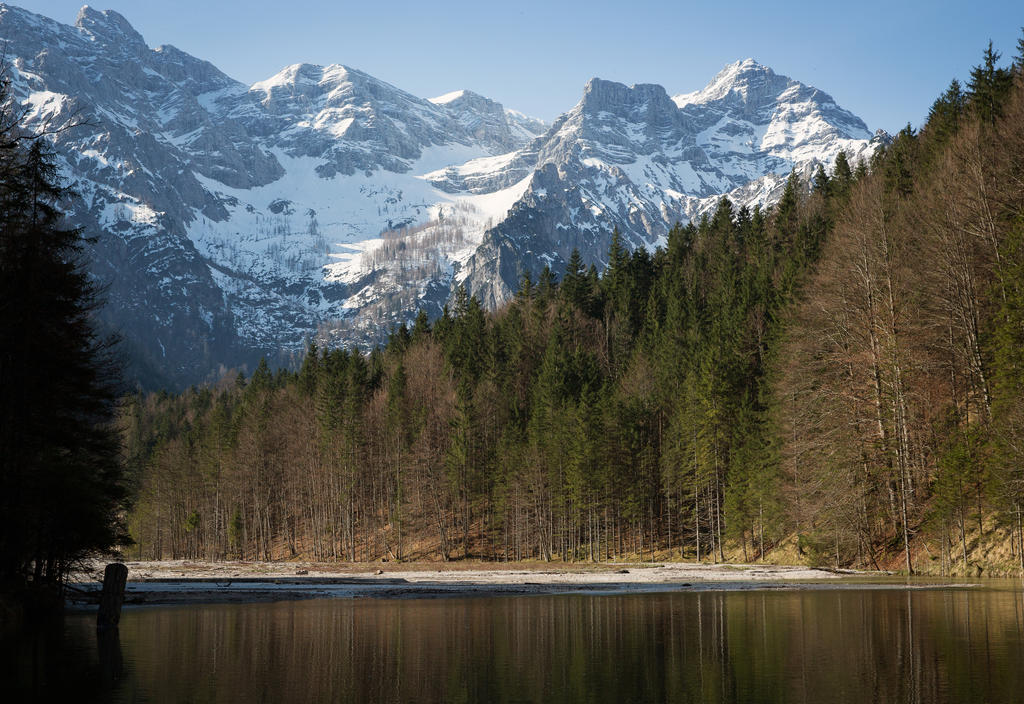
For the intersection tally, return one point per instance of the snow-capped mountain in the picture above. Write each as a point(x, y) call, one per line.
point(634, 158)
point(237, 220)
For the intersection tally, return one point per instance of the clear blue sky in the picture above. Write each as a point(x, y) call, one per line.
point(885, 61)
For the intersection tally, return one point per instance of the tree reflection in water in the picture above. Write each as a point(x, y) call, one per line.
point(748, 646)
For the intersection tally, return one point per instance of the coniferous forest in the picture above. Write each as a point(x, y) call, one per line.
point(839, 380)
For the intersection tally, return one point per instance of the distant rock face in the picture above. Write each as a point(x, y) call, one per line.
point(636, 159)
point(500, 130)
point(235, 221)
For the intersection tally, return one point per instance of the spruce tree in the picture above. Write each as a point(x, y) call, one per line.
point(546, 284)
point(1018, 60)
point(897, 163)
point(946, 113)
point(574, 285)
point(821, 183)
point(421, 328)
point(842, 175)
point(989, 86)
point(786, 212)
point(61, 477)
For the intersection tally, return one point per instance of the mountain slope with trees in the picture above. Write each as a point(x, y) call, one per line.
point(561, 426)
point(901, 389)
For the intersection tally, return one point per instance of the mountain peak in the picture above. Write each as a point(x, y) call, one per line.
point(303, 74)
point(744, 79)
point(449, 97)
point(252, 217)
point(108, 26)
point(467, 99)
point(610, 96)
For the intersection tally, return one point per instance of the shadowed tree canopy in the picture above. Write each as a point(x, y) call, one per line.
point(61, 481)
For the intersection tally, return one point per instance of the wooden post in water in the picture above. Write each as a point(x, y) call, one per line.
point(114, 578)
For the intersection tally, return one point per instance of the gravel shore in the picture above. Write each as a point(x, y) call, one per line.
point(186, 582)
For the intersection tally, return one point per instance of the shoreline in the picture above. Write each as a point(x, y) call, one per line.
point(182, 582)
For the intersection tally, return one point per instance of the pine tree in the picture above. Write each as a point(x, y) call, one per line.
point(399, 338)
point(821, 182)
point(786, 213)
point(946, 113)
point(525, 292)
point(262, 378)
point(897, 163)
point(989, 86)
point(310, 369)
point(61, 478)
point(860, 172)
point(1018, 60)
point(842, 176)
point(574, 284)
point(616, 253)
point(546, 284)
point(420, 328)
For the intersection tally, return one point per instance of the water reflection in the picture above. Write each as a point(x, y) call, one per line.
point(834, 646)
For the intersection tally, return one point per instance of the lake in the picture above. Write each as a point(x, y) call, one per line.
point(818, 645)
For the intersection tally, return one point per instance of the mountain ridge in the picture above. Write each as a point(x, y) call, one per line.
point(242, 220)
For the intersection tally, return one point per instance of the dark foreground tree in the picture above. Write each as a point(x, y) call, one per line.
point(61, 479)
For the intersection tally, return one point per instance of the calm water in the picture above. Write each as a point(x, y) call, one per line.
point(759, 646)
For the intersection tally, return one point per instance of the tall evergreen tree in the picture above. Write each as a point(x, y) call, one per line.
point(842, 176)
point(989, 86)
point(898, 161)
point(1018, 60)
point(946, 114)
point(420, 328)
point(61, 477)
point(574, 283)
point(821, 182)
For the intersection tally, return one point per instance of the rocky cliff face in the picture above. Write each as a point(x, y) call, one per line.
point(238, 220)
point(633, 158)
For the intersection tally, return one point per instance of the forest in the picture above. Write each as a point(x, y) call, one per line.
point(836, 380)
